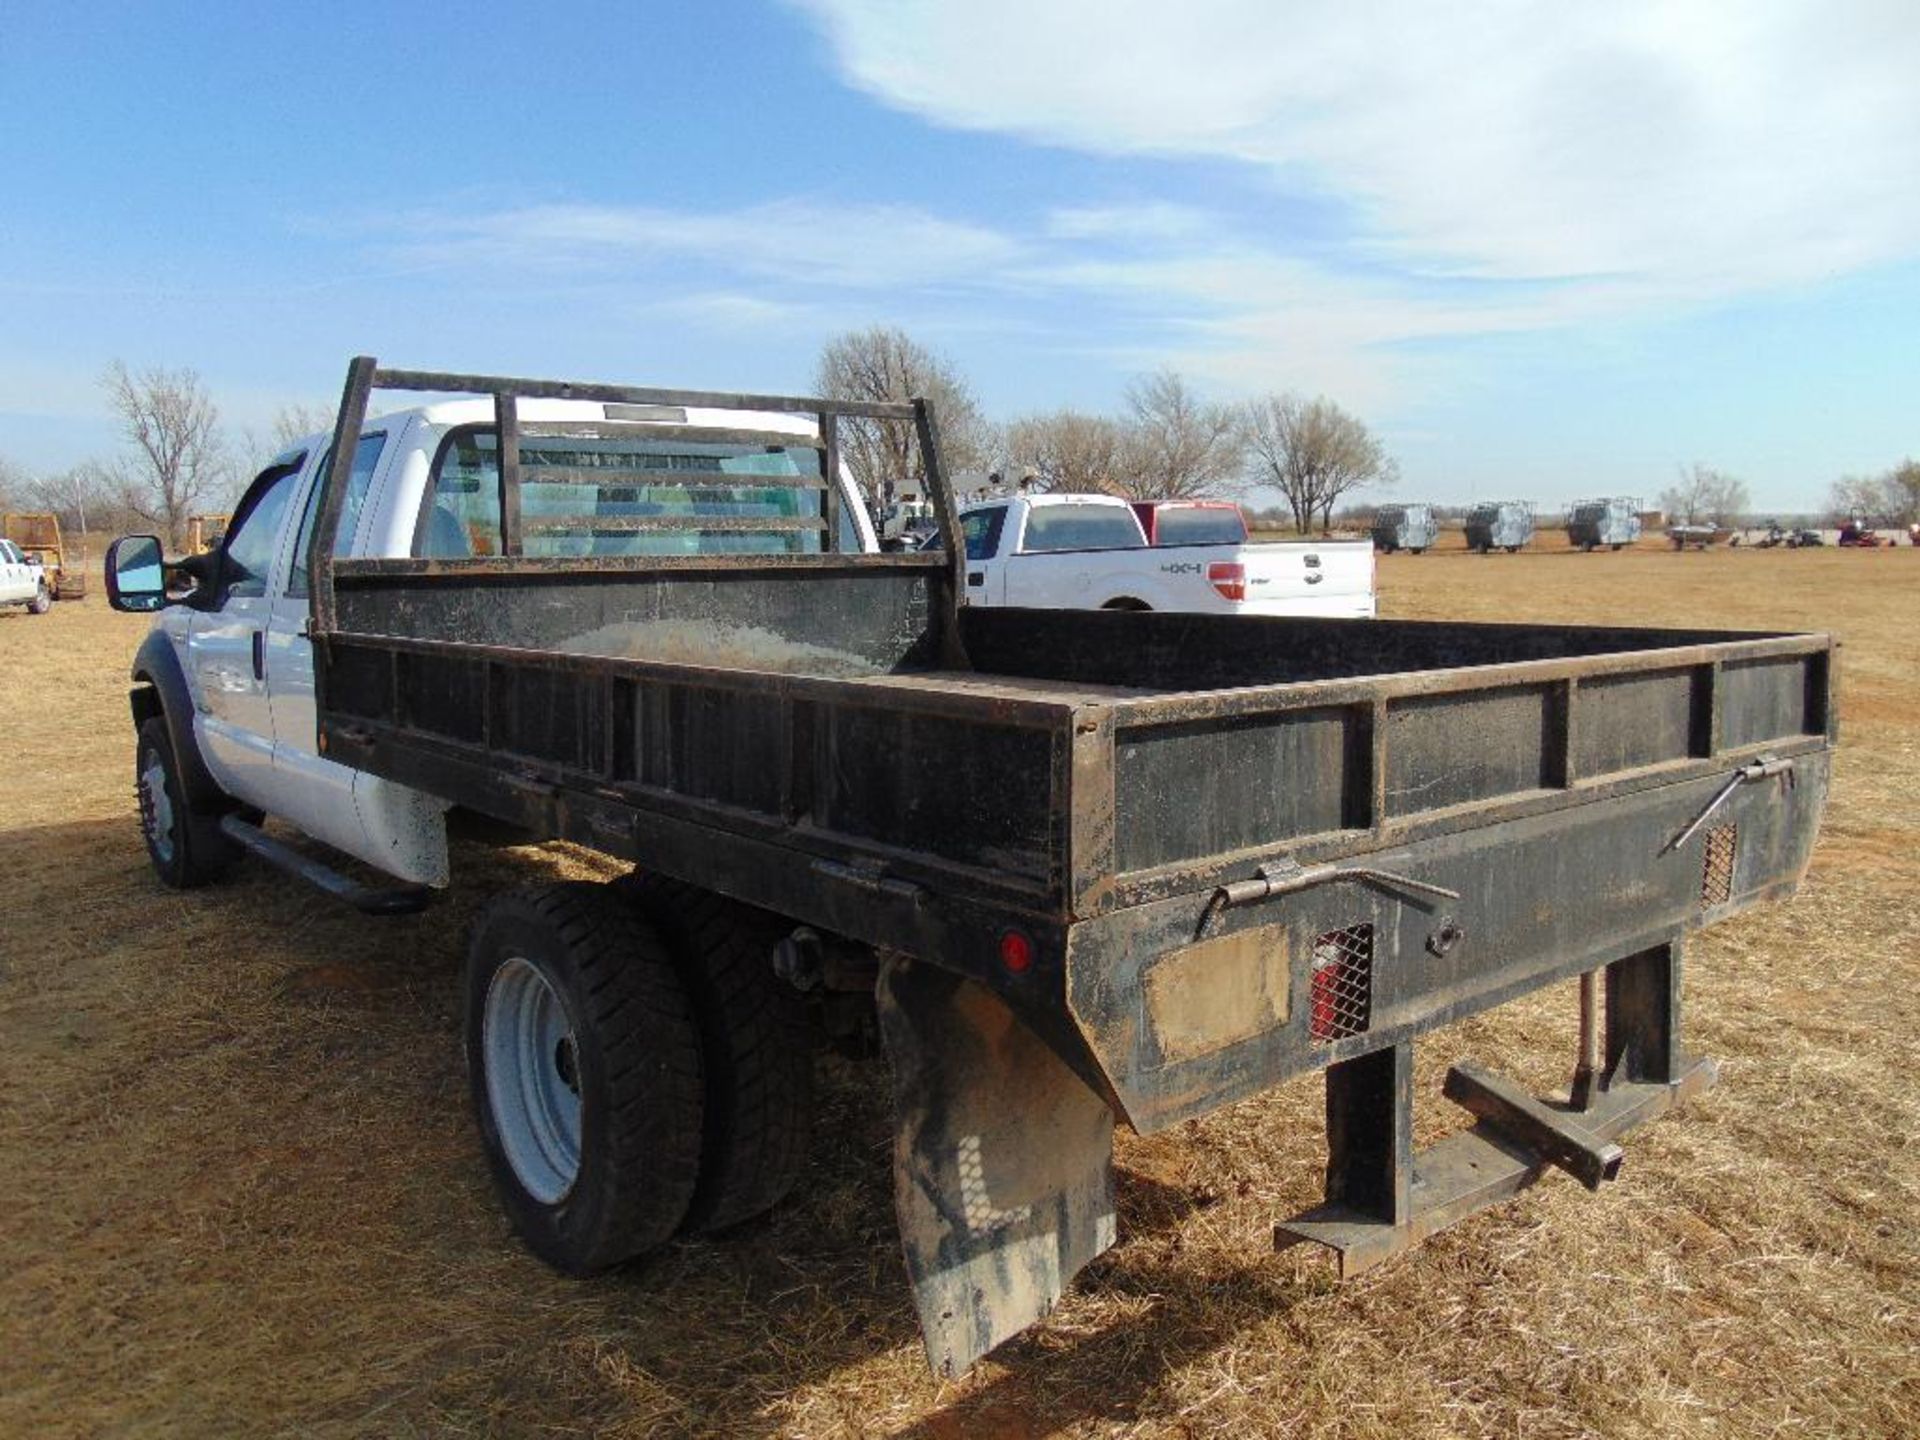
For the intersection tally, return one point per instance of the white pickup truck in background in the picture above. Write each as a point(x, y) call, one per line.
point(1089, 552)
point(22, 580)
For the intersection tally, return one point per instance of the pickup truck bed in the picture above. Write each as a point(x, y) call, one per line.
point(1119, 864)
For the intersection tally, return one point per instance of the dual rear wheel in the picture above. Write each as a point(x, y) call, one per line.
point(637, 1069)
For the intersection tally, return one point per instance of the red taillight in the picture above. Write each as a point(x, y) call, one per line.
point(1323, 1021)
point(1229, 577)
point(1016, 952)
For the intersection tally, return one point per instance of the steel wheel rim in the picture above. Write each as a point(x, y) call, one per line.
point(533, 1081)
point(156, 808)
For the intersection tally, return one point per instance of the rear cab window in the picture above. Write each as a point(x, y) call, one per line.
point(1081, 527)
point(1199, 525)
point(609, 493)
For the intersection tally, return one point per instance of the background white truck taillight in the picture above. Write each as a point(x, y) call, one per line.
point(1229, 577)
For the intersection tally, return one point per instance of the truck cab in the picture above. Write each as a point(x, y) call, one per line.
point(424, 484)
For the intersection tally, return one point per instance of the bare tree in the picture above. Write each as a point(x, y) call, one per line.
point(1877, 500)
point(180, 454)
point(1313, 453)
point(1070, 450)
point(294, 423)
point(1901, 486)
point(1892, 499)
point(1704, 496)
point(14, 484)
point(80, 496)
point(291, 424)
point(1181, 447)
point(885, 364)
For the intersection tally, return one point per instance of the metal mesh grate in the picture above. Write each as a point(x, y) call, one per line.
point(1342, 983)
point(1716, 871)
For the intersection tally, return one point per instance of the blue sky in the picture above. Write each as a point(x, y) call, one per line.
point(1544, 252)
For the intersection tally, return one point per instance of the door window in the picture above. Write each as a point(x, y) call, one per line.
point(982, 531)
point(366, 459)
point(250, 540)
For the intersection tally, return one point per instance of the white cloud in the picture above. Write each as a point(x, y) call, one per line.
point(1704, 148)
point(795, 241)
point(728, 310)
point(1142, 285)
point(1148, 221)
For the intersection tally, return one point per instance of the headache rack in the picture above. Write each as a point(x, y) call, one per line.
point(632, 410)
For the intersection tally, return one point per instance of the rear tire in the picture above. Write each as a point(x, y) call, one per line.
point(187, 850)
point(755, 1046)
point(41, 602)
point(584, 1065)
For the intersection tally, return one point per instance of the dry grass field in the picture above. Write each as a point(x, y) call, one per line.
point(240, 1193)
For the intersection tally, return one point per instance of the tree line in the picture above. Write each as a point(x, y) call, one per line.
point(1891, 498)
point(1166, 442)
point(1712, 497)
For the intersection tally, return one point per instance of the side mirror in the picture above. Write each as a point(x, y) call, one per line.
point(136, 574)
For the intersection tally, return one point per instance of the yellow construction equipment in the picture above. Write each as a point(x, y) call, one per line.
point(205, 531)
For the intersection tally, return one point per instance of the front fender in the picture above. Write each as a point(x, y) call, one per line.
point(160, 687)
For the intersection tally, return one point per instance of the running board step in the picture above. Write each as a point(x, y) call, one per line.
point(368, 900)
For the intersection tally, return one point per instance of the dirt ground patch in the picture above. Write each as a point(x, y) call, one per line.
point(241, 1194)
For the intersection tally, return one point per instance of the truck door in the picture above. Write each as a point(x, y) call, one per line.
point(315, 794)
point(984, 530)
point(388, 825)
point(12, 575)
point(226, 642)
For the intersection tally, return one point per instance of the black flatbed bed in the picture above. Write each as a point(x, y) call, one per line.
point(1184, 816)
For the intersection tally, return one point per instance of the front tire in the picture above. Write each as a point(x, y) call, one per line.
point(584, 1064)
point(187, 850)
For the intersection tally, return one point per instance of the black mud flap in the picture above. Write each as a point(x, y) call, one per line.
point(1002, 1162)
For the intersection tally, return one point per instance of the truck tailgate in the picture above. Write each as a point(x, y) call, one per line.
point(1332, 579)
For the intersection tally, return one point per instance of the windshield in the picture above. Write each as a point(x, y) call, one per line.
point(1198, 525)
point(618, 494)
point(1082, 527)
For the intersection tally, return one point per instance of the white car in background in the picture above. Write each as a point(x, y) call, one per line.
point(22, 581)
